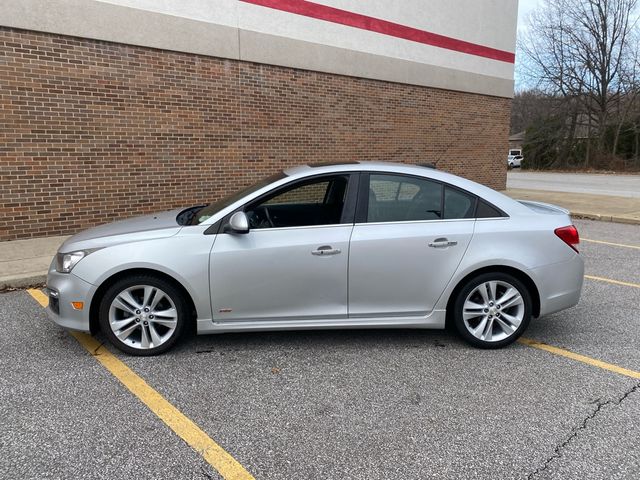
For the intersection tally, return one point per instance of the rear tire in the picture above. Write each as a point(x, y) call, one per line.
point(492, 310)
point(143, 315)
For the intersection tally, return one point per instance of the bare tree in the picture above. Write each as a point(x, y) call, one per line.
point(581, 51)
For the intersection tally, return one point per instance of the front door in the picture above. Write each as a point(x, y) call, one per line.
point(292, 265)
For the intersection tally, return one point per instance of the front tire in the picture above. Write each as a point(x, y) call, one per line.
point(492, 310)
point(143, 315)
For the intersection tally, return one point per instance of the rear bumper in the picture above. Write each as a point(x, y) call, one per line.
point(62, 289)
point(559, 285)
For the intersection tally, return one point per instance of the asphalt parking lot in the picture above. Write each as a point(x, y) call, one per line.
point(374, 404)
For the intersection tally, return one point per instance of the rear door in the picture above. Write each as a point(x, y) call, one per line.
point(409, 238)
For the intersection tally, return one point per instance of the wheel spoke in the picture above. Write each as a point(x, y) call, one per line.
point(482, 289)
point(477, 332)
point(169, 313)
point(124, 334)
point(492, 286)
point(468, 315)
point(149, 293)
point(513, 320)
point(506, 328)
point(122, 305)
point(158, 295)
point(155, 338)
point(510, 293)
point(469, 305)
point(120, 324)
point(166, 322)
point(472, 310)
point(516, 300)
point(144, 338)
point(127, 299)
point(487, 335)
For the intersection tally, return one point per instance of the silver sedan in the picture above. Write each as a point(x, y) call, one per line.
point(371, 245)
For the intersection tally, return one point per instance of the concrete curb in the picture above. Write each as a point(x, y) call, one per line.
point(605, 218)
point(19, 281)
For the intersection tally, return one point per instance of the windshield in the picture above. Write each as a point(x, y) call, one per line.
point(213, 208)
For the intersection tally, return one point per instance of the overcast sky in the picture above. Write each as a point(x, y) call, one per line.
point(524, 8)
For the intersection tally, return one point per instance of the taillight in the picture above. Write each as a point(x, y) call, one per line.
point(569, 235)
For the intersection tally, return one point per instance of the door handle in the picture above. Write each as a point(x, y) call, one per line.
point(442, 243)
point(326, 250)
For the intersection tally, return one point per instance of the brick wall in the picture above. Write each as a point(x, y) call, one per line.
point(92, 131)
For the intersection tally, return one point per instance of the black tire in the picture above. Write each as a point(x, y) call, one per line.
point(469, 287)
point(168, 288)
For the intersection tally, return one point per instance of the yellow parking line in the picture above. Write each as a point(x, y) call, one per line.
point(195, 437)
point(40, 297)
point(610, 280)
point(637, 247)
point(579, 358)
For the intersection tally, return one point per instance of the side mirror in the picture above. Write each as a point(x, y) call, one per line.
point(238, 223)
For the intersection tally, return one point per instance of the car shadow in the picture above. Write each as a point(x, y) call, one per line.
point(342, 339)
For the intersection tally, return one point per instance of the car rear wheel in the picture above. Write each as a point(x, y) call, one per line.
point(492, 310)
point(142, 315)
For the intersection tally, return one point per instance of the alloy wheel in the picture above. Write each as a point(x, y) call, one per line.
point(143, 317)
point(493, 311)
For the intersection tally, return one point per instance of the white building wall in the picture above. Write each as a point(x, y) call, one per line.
point(243, 30)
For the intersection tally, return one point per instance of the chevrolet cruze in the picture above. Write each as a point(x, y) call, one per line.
point(355, 245)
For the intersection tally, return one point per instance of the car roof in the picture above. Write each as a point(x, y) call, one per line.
point(493, 196)
point(359, 166)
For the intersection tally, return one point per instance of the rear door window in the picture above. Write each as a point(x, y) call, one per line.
point(397, 198)
point(458, 204)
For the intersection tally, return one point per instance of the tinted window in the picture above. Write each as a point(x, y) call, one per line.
point(458, 204)
point(306, 194)
point(206, 212)
point(315, 202)
point(396, 198)
point(486, 210)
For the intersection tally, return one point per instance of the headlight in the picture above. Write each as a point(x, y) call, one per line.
point(66, 261)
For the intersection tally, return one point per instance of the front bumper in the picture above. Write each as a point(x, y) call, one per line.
point(62, 289)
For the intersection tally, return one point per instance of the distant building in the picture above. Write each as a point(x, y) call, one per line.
point(516, 140)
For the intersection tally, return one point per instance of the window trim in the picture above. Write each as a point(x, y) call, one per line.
point(362, 207)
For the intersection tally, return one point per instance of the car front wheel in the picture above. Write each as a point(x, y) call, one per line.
point(142, 315)
point(492, 310)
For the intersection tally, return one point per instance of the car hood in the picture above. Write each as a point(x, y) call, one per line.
point(146, 227)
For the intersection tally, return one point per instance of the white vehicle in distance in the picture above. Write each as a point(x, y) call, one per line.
point(515, 161)
point(353, 245)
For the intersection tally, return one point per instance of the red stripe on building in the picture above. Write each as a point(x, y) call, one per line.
point(364, 22)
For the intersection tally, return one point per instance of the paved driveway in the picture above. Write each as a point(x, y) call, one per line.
point(372, 404)
point(596, 184)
